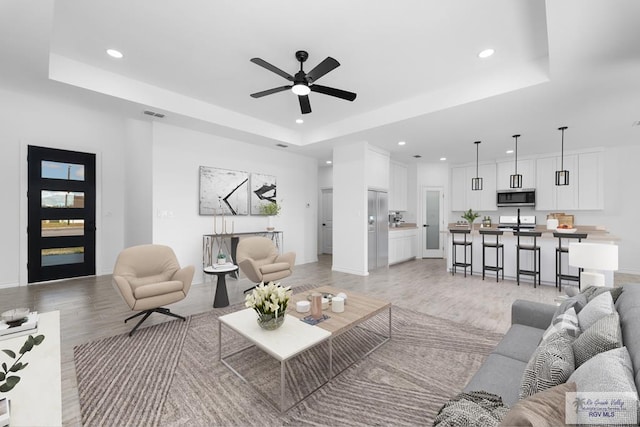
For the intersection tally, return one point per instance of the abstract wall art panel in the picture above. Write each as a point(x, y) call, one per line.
point(223, 192)
point(263, 191)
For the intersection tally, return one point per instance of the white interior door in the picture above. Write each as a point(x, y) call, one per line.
point(432, 222)
point(326, 221)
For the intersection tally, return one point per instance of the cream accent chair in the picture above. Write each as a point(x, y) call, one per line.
point(148, 277)
point(259, 260)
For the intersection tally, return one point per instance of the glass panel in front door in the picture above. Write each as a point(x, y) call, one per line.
point(433, 220)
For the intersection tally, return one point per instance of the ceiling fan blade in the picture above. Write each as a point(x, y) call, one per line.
point(272, 68)
point(270, 91)
point(322, 68)
point(305, 106)
point(338, 93)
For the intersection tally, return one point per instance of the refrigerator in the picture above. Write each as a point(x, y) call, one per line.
point(378, 229)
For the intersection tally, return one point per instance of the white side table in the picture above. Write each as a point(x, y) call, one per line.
point(221, 298)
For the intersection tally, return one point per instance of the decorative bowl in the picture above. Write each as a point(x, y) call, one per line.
point(566, 230)
point(15, 314)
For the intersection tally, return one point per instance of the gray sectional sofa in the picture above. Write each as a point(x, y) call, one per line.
point(502, 371)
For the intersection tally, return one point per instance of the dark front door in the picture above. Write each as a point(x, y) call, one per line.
point(62, 214)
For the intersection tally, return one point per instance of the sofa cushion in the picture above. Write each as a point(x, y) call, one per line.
point(593, 291)
point(546, 408)
point(577, 302)
point(519, 342)
point(551, 364)
point(596, 309)
point(155, 289)
point(628, 306)
point(567, 321)
point(604, 335)
point(499, 375)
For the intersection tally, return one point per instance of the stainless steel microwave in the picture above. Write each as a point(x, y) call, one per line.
point(519, 197)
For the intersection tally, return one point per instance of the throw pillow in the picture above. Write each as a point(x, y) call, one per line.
point(475, 408)
point(603, 336)
point(596, 309)
point(576, 302)
point(551, 364)
point(593, 291)
point(546, 408)
point(567, 320)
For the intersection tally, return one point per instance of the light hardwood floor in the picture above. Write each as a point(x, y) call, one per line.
point(91, 309)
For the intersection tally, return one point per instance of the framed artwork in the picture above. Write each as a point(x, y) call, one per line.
point(263, 191)
point(223, 192)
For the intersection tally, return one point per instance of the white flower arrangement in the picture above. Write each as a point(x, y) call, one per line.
point(271, 299)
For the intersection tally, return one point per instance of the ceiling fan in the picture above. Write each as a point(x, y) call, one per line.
point(303, 83)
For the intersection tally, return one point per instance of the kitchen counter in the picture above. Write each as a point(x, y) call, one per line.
point(404, 226)
point(547, 242)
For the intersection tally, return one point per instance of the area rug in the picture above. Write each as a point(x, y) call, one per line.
point(169, 375)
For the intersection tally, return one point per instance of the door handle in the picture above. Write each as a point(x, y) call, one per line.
point(324, 225)
point(425, 225)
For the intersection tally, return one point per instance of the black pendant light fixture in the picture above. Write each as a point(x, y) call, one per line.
point(562, 176)
point(515, 180)
point(476, 183)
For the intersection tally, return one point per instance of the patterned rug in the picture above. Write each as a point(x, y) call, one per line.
point(169, 374)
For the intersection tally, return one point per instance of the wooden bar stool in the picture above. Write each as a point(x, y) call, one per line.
point(465, 244)
point(498, 246)
point(534, 248)
point(565, 250)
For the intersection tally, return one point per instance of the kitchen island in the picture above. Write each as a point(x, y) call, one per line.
point(548, 244)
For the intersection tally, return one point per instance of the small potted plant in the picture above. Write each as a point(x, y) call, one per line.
point(222, 258)
point(270, 209)
point(470, 216)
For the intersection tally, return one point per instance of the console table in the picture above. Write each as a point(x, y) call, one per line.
point(214, 243)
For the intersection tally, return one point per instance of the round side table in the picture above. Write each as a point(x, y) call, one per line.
point(221, 298)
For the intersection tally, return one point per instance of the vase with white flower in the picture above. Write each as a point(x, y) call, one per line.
point(270, 303)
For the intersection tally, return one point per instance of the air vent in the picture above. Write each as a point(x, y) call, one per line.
point(153, 113)
point(281, 145)
point(417, 156)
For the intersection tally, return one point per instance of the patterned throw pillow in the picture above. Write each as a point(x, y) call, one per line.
point(551, 364)
point(546, 408)
point(577, 302)
point(593, 291)
point(567, 321)
point(604, 335)
point(595, 310)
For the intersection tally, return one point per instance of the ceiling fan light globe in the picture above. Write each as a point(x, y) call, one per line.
point(300, 89)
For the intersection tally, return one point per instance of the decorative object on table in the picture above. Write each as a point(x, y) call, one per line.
point(222, 258)
point(343, 296)
point(515, 180)
point(552, 223)
point(270, 302)
point(476, 183)
point(14, 315)
point(270, 209)
point(223, 191)
point(263, 192)
point(316, 305)
point(19, 323)
point(564, 228)
point(470, 216)
point(593, 258)
point(303, 306)
point(486, 222)
point(313, 321)
point(8, 379)
point(562, 176)
point(337, 304)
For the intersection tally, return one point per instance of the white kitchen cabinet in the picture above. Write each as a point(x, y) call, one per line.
point(526, 168)
point(590, 184)
point(377, 166)
point(567, 195)
point(402, 245)
point(464, 198)
point(550, 196)
point(397, 187)
point(545, 184)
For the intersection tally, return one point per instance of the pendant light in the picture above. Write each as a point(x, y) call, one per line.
point(476, 183)
point(562, 176)
point(515, 180)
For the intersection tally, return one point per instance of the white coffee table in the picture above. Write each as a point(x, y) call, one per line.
point(295, 337)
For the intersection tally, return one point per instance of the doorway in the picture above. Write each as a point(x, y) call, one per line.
point(61, 214)
point(432, 222)
point(326, 221)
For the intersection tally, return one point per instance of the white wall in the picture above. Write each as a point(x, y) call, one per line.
point(350, 208)
point(177, 155)
point(138, 198)
point(35, 120)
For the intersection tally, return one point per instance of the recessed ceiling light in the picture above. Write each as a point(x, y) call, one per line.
point(282, 145)
point(402, 143)
point(299, 121)
point(114, 53)
point(486, 53)
point(509, 151)
point(328, 162)
point(417, 156)
point(442, 159)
